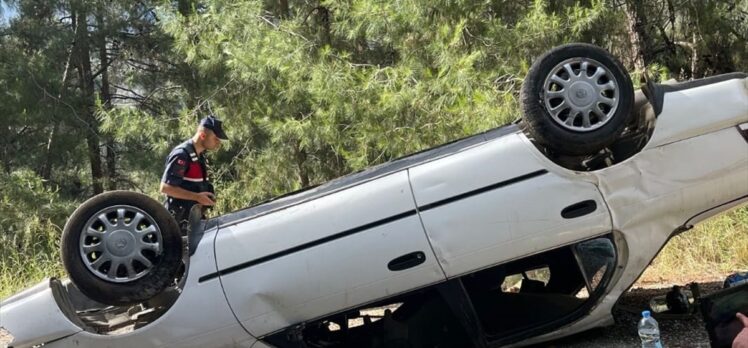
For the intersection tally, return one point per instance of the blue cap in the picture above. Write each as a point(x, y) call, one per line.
point(215, 125)
point(646, 314)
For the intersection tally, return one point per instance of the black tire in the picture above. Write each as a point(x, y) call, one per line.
point(572, 139)
point(131, 288)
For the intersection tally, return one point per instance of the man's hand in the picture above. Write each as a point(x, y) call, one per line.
point(741, 340)
point(206, 199)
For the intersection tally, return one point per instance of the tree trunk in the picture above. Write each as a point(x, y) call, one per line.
point(301, 157)
point(46, 171)
point(283, 9)
point(185, 7)
point(641, 42)
point(111, 163)
point(106, 101)
point(326, 20)
point(94, 156)
point(694, 56)
point(91, 126)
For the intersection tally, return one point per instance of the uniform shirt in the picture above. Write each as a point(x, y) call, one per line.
point(186, 169)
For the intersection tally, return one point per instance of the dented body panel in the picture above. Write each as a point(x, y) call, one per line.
point(507, 205)
point(698, 170)
point(349, 269)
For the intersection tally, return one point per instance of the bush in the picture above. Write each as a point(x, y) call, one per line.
point(31, 216)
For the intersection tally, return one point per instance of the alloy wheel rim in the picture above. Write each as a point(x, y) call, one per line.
point(120, 244)
point(581, 94)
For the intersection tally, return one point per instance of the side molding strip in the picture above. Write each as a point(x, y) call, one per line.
point(370, 225)
point(482, 190)
point(308, 245)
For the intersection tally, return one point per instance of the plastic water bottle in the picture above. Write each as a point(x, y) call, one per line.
point(649, 331)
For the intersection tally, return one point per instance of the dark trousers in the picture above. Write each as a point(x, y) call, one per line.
point(188, 218)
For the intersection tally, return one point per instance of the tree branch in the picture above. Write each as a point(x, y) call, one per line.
point(105, 67)
point(129, 90)
point(143, 66)
point(278, 27)
point(143, 103)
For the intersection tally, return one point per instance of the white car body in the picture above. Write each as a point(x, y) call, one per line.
point(487, 200)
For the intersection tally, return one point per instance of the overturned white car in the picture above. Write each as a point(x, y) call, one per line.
point(515, 236)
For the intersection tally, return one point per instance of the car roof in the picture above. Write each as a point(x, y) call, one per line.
point(357, 178)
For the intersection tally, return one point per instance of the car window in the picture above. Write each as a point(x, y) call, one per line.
point(420, 318)
point(596, 257)
point(541, 289)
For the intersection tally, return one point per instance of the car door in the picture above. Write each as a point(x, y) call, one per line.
point(325, 255)
point(500, 201)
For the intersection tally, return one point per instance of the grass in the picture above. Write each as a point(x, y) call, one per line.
point(29, 255)
point(709, 251)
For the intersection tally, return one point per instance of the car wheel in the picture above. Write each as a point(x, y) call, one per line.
point(121, 248)
point(576, 99)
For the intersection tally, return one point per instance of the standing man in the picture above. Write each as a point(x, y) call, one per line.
point(185, 180)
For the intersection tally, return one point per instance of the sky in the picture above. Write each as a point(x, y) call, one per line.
point(6, 12)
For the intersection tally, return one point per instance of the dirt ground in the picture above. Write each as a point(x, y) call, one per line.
point(4, 338)
point(689, 332)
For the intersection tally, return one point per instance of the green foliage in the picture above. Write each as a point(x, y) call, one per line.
point(308, 92)
point(332, 88)
point(31, 216)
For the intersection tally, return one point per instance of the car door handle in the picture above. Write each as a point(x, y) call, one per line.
point(407, 261)
point(579, 209)
point(743, 129)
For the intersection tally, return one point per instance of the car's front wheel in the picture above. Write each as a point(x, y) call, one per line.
point(121, 248)
point(576, 99)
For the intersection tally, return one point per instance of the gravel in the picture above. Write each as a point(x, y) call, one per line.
point(682, 332)
point(5, 338)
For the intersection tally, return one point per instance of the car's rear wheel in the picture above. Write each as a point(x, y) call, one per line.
point(576, 99)
point(121, 248)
